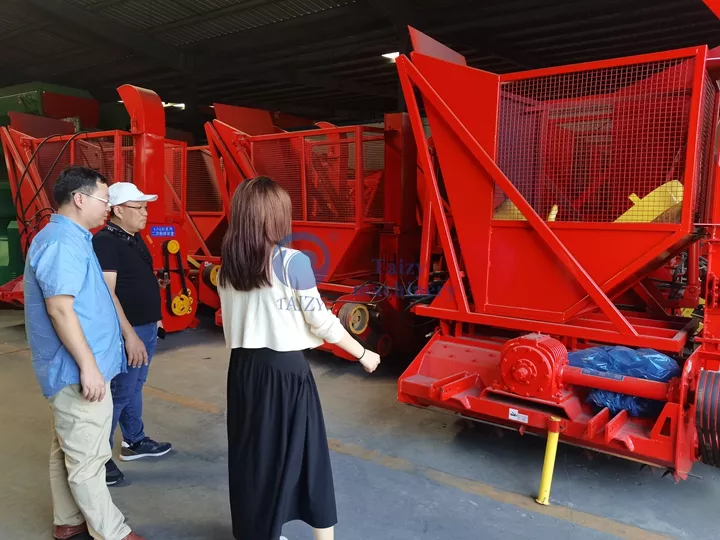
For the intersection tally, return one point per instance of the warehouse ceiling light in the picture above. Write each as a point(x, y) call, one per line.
point(391, 56)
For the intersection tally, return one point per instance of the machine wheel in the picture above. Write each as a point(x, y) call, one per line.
point(181, 305)
point(210, 275)
point(708, 417)
point(173, 246)
point(354, 317)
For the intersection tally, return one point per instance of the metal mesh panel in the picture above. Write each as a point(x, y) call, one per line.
point(126, 167)
point(51, 159)
point(203, 191)
point(374, 169)
point(96, 153)
point(330, 172)
point(604, 145)
point(320, 170)
point(280, 160)
point(173, 178)
point(704, 150)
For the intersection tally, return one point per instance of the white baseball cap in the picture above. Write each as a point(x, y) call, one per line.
point(124, 192)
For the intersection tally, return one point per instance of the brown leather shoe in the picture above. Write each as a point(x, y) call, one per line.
point(65, 532)
point(133, 536)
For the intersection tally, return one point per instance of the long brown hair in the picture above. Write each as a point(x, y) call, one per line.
point(260, 219)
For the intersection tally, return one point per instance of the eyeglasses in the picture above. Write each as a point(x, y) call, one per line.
point(93, 197)
point(142, 209)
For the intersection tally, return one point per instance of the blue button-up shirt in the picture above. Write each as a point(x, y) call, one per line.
point(61, 261)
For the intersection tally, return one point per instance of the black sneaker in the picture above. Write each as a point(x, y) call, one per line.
point(113, 475)
point(142, 449)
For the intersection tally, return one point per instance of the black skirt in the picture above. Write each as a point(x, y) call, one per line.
point(279, 460)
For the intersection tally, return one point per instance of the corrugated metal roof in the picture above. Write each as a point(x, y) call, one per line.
point(247, 18)
point(146, 14)
point(84, 3)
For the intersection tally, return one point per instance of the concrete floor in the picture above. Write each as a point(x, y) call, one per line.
point(401, 473)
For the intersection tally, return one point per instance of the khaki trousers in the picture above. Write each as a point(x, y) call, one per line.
point(80, 449)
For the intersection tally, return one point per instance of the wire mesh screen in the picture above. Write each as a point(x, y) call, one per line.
point(97, 153)
point(704, 150)
point(330, 173)
point(280, 159)
point(174, 179)
point(319, 173)
point(374, 182)
point(604, 145)
point(51, 158)
point(126, 166)
point(203, 190)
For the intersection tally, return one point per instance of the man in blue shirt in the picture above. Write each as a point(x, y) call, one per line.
point(77, 348)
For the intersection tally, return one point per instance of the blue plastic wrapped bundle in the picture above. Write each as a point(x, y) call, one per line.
point(640, 363)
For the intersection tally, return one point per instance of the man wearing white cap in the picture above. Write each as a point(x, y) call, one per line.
point(127, 268)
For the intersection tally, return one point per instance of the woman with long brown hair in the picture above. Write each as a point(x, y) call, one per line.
point(279, 461)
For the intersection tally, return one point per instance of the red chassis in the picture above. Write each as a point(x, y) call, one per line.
point(559, 193)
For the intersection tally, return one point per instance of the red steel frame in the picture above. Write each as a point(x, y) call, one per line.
point(460, 368)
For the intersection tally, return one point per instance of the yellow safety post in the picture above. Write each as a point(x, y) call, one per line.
point(549, 463)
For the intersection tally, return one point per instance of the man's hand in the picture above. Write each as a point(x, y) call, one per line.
point(136, 351)
point(92, 384)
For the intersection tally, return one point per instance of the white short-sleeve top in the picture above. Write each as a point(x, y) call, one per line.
point(290, 315)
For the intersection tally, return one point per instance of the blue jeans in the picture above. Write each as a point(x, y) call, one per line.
point(126, 389)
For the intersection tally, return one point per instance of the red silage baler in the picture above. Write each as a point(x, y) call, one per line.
point(559, 194)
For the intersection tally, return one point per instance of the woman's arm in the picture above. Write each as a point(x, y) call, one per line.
point(323, 322)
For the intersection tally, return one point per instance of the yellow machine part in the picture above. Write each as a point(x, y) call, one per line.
point(689, 312)
point(214, 275)
point(354, 317)
point(173, 246)
point(656, 204)
point(507, 211)
point(181, 305)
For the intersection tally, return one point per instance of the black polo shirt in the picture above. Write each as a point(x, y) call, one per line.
point(137, 286)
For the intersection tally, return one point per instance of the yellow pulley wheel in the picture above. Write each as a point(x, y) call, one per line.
point(354, 317)
point(173, 246)
point(214, 275)
point(181, 305)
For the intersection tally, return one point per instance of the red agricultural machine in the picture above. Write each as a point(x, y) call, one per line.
point(37, 149)
point(562, 197)
point(354, 194)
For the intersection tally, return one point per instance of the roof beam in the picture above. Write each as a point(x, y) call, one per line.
point(110, 30)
